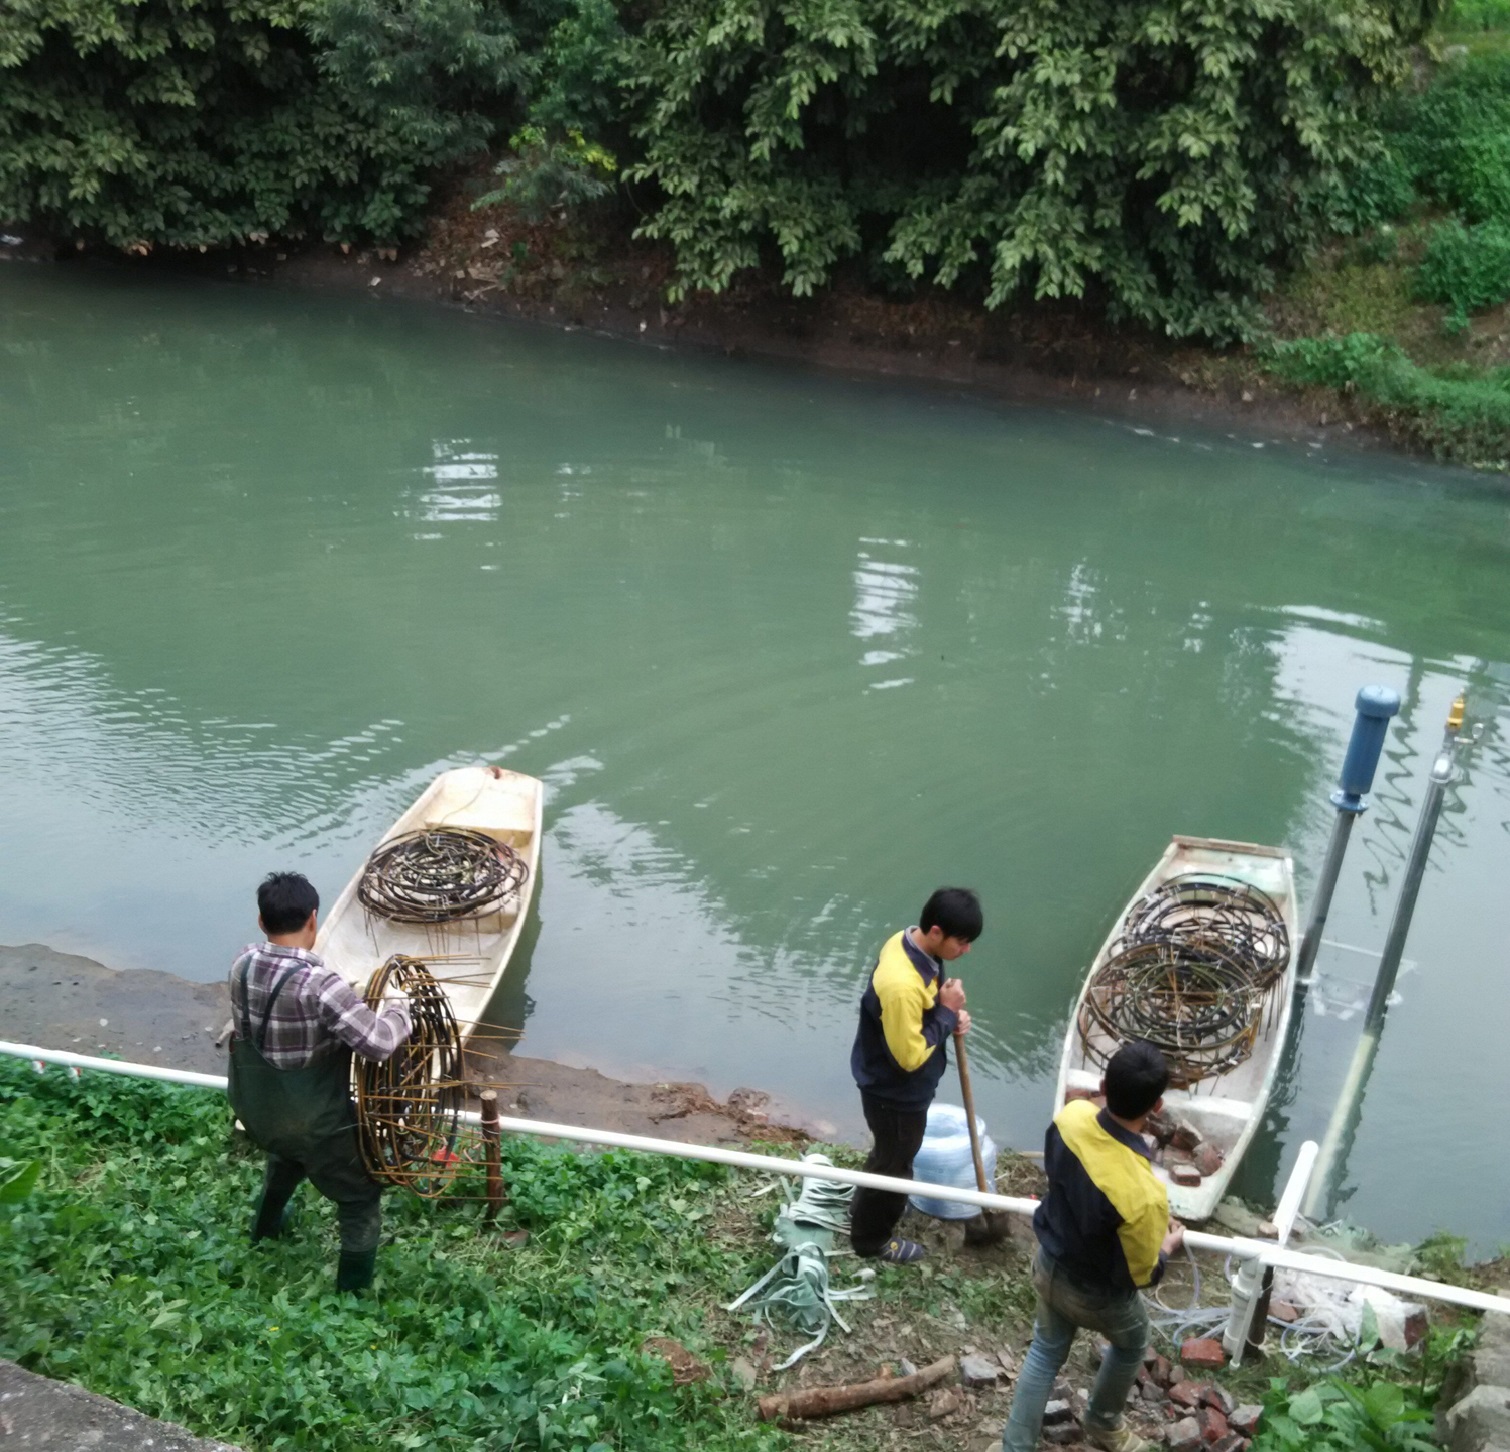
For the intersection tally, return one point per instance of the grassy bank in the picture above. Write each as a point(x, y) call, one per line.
point(1403, 318)
point(127, 1269)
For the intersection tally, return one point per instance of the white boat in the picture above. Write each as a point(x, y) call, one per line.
point(1225, 1107)
point(467, 957)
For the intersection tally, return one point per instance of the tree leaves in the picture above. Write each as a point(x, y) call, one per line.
point(1162, 159)
point(197, 123)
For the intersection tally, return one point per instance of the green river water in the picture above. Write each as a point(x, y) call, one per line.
point(789, 650)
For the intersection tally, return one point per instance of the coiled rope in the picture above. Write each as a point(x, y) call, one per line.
point(795, 1293)
point(409, 1105)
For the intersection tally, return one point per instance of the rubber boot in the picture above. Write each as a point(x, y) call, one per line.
point(272, 1212)
point(354, 1270)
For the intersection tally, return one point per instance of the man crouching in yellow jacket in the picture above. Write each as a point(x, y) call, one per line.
point(907, 1013)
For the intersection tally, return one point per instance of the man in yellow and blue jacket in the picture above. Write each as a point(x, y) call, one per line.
point(1104, 1234)
point(907, 1012)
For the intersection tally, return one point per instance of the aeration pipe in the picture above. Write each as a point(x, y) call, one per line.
point(1349, 1107)
point(1375, 705)
point(1243, 1247)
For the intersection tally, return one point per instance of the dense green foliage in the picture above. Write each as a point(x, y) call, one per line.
point(1161, 158)
point(205, 122)
point(1453, 139)
point(1468, 268)
point(1467, 16)
point(1336, 1416)
point(128, 1269)
point(1458, 414)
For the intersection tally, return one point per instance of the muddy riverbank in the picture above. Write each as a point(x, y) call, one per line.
point(63, 1001)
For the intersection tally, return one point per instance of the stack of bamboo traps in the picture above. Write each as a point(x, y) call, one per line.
point(1192, 972)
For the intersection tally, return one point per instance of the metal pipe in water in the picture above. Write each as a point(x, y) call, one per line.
point(1345, 1115)
point(1415, 868)
point(1375, 706)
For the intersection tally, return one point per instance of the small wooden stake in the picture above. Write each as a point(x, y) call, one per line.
point(490, 1132)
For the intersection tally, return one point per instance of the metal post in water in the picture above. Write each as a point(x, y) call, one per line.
point(1375, 706)
point(1350, 1102)
point(1415, 869)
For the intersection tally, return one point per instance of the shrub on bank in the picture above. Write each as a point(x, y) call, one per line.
point(1468, 268)
point(1459, 415)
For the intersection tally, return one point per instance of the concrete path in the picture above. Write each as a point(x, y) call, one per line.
point(38, 1413)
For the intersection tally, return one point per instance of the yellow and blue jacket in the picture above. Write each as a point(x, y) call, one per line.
point(899, 1054)
point(1106, 1213)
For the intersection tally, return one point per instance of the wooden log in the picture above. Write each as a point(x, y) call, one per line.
point(824, 1401)
point(489, 1098)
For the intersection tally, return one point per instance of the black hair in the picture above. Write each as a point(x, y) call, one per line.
point(284, 902)
point(954, 909)
point(1136, 1078)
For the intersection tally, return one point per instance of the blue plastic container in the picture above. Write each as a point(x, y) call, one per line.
point(945, 1160)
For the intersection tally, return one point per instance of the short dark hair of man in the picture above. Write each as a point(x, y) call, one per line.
point(284, 902)
point(1136, 1077)
point(954, 909)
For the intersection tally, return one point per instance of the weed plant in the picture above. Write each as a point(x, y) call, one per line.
point(128, 1269)
point(1460, 415)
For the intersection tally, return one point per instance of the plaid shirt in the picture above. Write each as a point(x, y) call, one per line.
point(315, 1006)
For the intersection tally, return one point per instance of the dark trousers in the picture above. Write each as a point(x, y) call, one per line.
point(873, 1214)
point(334, 1167)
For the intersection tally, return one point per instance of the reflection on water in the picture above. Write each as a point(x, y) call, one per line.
point(788, 653)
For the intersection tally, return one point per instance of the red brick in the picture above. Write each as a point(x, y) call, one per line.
point(1177, 1375)
point(1283, 1311)
point(1244, 1419)
point(1182, 1172)
point(1220, 1398)
point(1212, 1423)
point(1203, 1351)
point(1160, 1370)
point(1208, 1159)
point(1185, 1394)
point(1184, 1138)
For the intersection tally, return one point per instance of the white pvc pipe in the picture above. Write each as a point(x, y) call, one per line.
point(114, 1066)
point(1241, 1246)
point(1249, 1280)
point(1295, 1188)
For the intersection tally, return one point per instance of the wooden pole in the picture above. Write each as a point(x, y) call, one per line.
point(824, 1401)
point(989, 1225)
point(490, 1134)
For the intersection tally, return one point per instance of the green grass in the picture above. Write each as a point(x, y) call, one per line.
point(1462, 414)
point(1406, 318)
point(128, 1270)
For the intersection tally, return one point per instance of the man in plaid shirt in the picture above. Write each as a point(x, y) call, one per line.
point(297, 1024)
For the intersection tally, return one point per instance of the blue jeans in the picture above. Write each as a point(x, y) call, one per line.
point(1063, 1307)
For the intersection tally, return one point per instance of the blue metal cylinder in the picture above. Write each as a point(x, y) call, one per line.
point(1376, 705)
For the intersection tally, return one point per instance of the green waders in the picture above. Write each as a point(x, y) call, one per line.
point(305, 1120)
